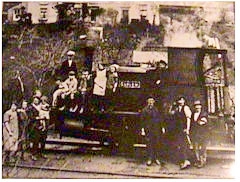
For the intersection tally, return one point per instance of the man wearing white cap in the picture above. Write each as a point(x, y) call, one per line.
point(68, 65)
point(182, 117)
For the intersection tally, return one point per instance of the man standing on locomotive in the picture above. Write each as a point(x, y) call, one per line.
point(160, 76)
point(182, 117)
point(151, 128)
point(112, 83)
point(99, 88)
point(161, 73)
point(83, 89)
point(68, 65)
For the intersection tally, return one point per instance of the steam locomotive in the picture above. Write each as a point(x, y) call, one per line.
point(189, 75)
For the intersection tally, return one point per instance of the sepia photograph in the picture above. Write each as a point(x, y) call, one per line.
point(118, 90)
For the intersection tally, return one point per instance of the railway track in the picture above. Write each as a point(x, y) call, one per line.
point(34, 171)
point(70, 173)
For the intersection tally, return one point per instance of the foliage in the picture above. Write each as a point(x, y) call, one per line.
point(224, 30)
point(118, 42)
point(36, 59)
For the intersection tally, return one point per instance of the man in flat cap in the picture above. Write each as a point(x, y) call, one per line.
point(152, 128)
point(198, 134)
point(68, 65)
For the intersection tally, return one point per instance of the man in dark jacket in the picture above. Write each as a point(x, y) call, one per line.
point(151, 120)
point(182, 117)
point(199, 134)
point(68, 65)
point(161, 74)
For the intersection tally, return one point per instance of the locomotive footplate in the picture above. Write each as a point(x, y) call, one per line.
point(117, 128)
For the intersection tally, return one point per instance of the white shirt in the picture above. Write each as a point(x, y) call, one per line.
point(196, 116)
point(71, 83)
point(69, 63)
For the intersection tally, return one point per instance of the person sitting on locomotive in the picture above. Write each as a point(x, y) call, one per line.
point(72, 85)
point(99, 88)
point(83, 88)
point(59, 92)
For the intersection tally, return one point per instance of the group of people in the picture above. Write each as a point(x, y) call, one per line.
point(73, 89)
point(189, 128)
point(25, 128)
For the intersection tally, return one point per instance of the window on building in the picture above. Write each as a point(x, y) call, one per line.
point(143, 11)
point(17, 11)
point(43, 14)
point(125, 16)
point(94, 12)
point(16, 15)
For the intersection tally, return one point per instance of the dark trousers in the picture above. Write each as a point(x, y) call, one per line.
point(38, 142)
point(182, 146)
point(84, 97)
point(42, 141)
point(72, 102)
point(109, 99)
point(99, 102)
point(153, 144)
point(23, 143)
point(57, 118)
point(34, 139)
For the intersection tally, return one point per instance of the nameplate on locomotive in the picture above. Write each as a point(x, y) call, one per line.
point(129, 84)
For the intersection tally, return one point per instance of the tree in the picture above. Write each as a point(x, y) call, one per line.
point(117, 45)
point(36, 61)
